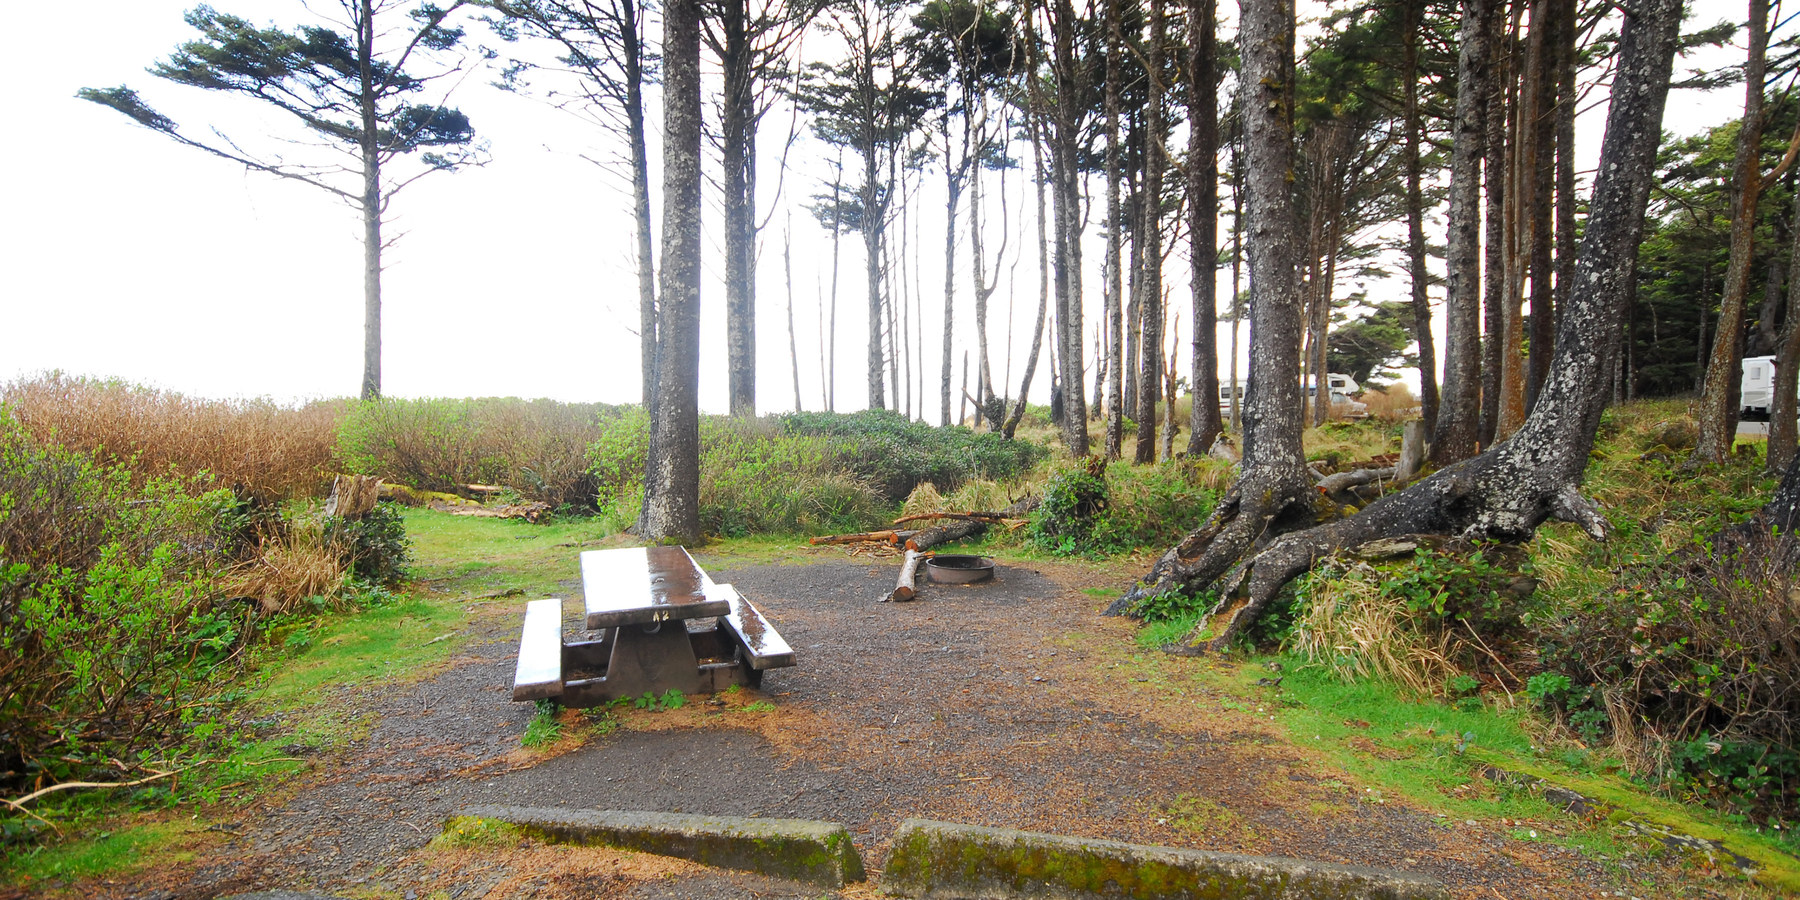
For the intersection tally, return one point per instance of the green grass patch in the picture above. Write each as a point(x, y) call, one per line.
point(1168, 631)
point(106, 853)
point(543, 727)
point(471, 833)
point(1317, 709)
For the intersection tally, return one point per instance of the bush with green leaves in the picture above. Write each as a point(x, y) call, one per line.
point(109, 626)
point(1121, 508)
point(755, 478)
point(539, 448)
point(375, 546)
point(896, 454)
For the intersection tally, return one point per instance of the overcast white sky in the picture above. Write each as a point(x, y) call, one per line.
point(125, 255)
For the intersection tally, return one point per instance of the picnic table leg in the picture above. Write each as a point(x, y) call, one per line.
point(652, 658)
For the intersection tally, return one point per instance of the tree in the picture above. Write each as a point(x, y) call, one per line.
point(870, 102)
point(353, 87)
point(1204, 423)
point(1272, 490)
point(603, 46)
point(1149, 236)
point(1459, 410)
point(1717, 412)
point(1508, 490)
point(1364, 346)
point(751, 42)
point(672, 468)
point(1064, 125)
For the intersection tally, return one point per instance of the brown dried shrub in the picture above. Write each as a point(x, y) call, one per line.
point(260, 448)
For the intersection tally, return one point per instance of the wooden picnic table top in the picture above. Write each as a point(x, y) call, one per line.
point(642, 585)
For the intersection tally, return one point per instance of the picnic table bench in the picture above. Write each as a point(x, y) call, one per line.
point(664, 625)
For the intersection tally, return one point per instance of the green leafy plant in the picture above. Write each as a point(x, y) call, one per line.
point(543, 727)
point(759, 706)
point(670, 699)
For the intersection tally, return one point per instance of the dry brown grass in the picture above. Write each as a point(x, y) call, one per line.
point(290, 567)
point(1391, 403)
point(265, 449)
point(1357, 633)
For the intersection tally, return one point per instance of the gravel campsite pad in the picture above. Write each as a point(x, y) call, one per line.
point(1009, 704)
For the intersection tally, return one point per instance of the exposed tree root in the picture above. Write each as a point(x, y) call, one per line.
point(1499, 495)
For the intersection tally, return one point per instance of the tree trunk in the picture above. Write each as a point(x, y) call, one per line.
point(952, 194)
point(1545, 29)
point(1115, 276)
point(672, 479)
point(1151, 237)
point(1566, 201)
point(837, 228)
point(1037, 332)
point(1458, 422)
point(1718, 408)
point(735, 123)
point(1203, 208)
point(1520, 179)
point(1506, 492)
point(787, 271)
point(1273, 493)
point(1494, 248)
point(1132, 282)
point(1414, 12)
point(1066, 174)
point(1782, 407)
point(371, 201)
point(631, 35)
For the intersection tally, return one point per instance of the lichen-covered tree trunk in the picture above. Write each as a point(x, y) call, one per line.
point(1203, 211)
point(1717, 412)
point(1507, 491)
point(1273, 493)
point(1494, 167)
point(672, 477)
point(1459, 415)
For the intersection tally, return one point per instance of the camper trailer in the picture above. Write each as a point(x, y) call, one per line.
point(1756, 398)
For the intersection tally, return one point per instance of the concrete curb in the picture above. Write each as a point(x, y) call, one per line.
point(942, 860)
point(798, 849)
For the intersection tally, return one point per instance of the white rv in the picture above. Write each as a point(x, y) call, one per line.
point(1756, 398)
point(1340, 386)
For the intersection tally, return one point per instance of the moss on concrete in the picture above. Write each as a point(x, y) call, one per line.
point(942, 860)
point(798, 849)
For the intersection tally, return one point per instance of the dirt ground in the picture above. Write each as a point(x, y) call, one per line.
point(1002, 704)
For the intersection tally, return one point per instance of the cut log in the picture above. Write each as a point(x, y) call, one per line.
point(909, 570)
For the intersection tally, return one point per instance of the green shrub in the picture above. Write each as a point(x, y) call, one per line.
point(108, 628)
point(539, 448)
point(755, 478)
point(1683, 654)
point(1121, 508)
point(895, 454)
point(374, 547)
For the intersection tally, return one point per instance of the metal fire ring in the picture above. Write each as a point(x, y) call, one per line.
point(958, 569)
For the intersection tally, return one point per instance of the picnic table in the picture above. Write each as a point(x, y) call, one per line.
point(663, 623)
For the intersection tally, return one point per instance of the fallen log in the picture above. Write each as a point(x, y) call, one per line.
point(531, 511)
point(861, 537)
point(963, 528)
point(988, 517)
point(904, 588)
